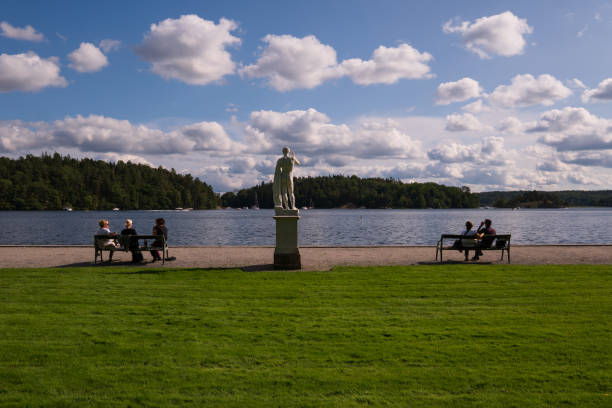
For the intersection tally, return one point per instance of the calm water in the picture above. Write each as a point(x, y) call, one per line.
point(317, 227)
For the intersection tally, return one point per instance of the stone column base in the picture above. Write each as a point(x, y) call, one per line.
point(287, 261)
point(287, 252)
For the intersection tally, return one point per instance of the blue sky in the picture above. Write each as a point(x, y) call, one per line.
point(354, 87)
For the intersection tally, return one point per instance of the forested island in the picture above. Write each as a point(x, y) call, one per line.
point(354, 192)
point(546, 199)
point(54, 182)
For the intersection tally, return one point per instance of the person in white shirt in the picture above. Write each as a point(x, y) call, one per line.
point(109, 243)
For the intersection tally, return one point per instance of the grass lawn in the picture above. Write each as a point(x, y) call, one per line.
point(426, 336)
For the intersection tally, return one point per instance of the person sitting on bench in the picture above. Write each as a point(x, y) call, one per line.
point(468, 232)
point(159, 229)
point(132, 243)
point(109, 243)
point(484, 234)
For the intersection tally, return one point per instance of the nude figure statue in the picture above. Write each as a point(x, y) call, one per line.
point(283, 181)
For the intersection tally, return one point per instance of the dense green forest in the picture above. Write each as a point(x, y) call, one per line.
point(355, 192)
point(52, 182)
point(549, 199)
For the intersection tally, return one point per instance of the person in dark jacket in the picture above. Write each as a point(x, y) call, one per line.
point(159, 229)
point(132, 243)
point(486, 235)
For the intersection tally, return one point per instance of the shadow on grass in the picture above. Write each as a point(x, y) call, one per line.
point(451, 262)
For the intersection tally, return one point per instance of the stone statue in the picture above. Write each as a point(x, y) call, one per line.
point(284, 199)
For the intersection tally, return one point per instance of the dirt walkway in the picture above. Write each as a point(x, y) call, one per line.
point(313, 258)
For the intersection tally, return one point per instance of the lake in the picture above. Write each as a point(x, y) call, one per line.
point(316, 227)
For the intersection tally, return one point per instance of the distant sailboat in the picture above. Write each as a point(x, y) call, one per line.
point(255, 206)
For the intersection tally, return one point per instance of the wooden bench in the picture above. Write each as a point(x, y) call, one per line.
point(498, 243)
point(123, 244)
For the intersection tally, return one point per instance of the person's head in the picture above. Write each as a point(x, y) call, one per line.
point(103, 223)
point(488, 223)
point(286, 150)
point(468, 225)
point(160, 221)
point(128, 223)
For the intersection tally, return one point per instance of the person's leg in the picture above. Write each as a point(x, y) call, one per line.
point(292, 196)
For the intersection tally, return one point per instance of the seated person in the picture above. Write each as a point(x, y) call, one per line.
point(485, 235)
point(159, 229)
point(132, 243)
point(108, 243)
point(468, 232)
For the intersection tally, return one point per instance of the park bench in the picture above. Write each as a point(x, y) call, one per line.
point(124, 242)
point(498, 243)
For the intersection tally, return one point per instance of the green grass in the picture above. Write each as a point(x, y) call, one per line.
point(427, 336)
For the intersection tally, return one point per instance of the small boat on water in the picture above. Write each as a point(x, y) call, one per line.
point(116, 209)
point(67, 209)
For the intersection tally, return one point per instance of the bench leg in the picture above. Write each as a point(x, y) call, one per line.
point(440, 255)
point(508, 255)
point(437, 249)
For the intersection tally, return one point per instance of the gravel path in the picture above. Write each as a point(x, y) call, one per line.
point(313, 258)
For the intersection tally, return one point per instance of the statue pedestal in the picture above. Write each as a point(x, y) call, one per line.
point(287, 253)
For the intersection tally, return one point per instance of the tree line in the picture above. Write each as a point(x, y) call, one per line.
point(53, 182)
point(546, 199)
point(353, 192)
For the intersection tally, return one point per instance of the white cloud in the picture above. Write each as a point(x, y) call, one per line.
point(463, 122)
point(476, 107)
point(28, 33)
point(580, 178)
point(602, 93)
point(108, 45)
point(511, 125)
point(312, 133)
point(28, 72)
point(190, 49)
point(101, 134)
point(87, 58)
point(289, 62)
point(575, 83)
point(458, 91)
point(490, 151)
point(552, 166)
point(115, 157)
point(389, 65)
point(526, 90)
point(589, 158)
point(500, 34)
point(574, 129)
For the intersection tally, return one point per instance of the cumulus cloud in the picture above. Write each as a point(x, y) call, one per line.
point(108, 45)
point(312, 133)
point(115, 157)
point(552, 166)
point(602, 93)
point(28, 33)
point(526, 90)
point(500, 34)
point(511, 125)
point(101, 134)
point(589, 158)
point(573, 129)
point(476, 107)
point(388, 65)
point(289, 62)
point(458, 91)
point(489, 151)
point(28, 72)
point(580, 178)
point(463, 122)
point(87, 58)
point(190, 49)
